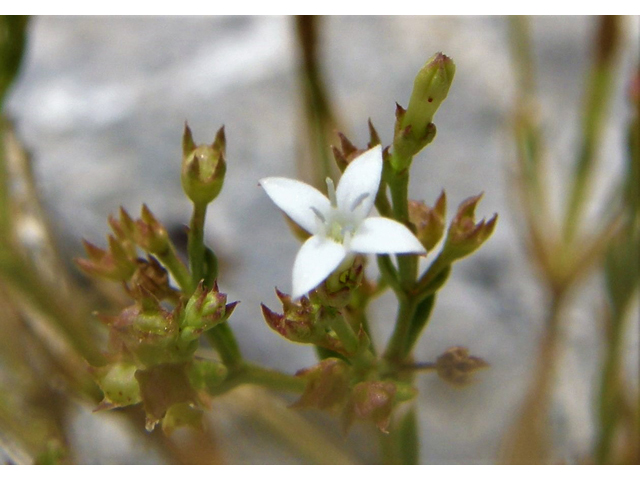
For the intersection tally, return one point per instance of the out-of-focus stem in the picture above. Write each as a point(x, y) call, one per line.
point(596, 102)
point(320, 119)
point(528, 441)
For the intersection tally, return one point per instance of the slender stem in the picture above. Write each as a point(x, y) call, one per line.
point(249, 373)
point(344, 332)
point(195, 244)
point(223, 340)
point(395, 348)
point(178, 270)
point(528, 440)
point(597, 100)
point(273, 379)
point(388, 272)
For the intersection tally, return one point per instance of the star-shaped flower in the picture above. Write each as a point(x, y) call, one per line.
point(339, 225)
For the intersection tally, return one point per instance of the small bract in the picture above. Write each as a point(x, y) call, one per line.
point(339, 225)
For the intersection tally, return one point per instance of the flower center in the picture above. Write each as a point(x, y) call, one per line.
point(337, 224)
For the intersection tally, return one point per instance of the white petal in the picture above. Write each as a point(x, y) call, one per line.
point(297, 200)
point(317, 259)
point(361, 177)
point(383, 235)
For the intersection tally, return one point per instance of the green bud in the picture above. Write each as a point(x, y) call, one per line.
point(150, 234)
point(203, 167)
point(205, 309)
point(414, 126)
point(465, 235)
point(299, 323)
point(113, 264)
point(430, 88)
point(119, 385)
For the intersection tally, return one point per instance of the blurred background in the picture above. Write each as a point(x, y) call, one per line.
point(101, 103)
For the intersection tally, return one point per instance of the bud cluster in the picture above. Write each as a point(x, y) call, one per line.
point(151, 354)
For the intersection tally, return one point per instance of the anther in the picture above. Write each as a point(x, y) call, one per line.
point(331, 192)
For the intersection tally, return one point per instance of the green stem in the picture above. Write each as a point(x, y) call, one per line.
point(395, 348)
point(249, 373)
point(222, 339)
point(344, 331)
point(177, 269)
point(419, 322)
point(195, 244)
point(388, 272)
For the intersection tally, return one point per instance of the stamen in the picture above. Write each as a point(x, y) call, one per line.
point(318, 214)
point(346, 240)
point(358, 201)
point(331, 191)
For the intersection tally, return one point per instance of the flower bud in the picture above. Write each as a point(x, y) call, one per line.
point(205, 309)
point(464, 235)
point(118, 384)
point(203, 167)
point(113, 264)
point(150, 234)
point(428, 222)
point(414, 128)
point(456, 366)
point(430, 88)
point(299, 324)
point(151, 277)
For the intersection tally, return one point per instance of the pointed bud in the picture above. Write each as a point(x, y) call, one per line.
point(150, 234)
point(205, 309)
point(151, 277)
point(430, 88)
point(464, 235)
point(428, 222)
point(327, 385)
point(299, 324)
point(456, 366)
point(114, 264)
point(203, 167)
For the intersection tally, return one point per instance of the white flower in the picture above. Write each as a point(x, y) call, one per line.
point(339, 225)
